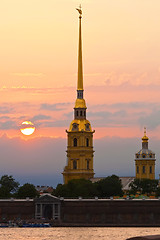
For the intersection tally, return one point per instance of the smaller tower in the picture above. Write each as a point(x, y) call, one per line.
point(145, 160)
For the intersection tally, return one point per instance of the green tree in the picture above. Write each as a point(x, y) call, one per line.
point(8, 186)
point(27, 190)
point(109, 186)
point(76, 188)
point(143, 186)
point(158, 192)
point(135, 186)
point(4, 192)
point(62, 190)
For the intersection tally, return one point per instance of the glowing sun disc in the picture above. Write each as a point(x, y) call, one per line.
point(27, 128)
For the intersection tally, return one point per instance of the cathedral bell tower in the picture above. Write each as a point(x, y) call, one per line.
point(80, 135)
point(145, 160)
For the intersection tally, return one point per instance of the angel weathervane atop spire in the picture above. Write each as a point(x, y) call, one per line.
point(79, 10)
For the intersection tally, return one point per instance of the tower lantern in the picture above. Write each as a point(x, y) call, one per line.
point(80, 135)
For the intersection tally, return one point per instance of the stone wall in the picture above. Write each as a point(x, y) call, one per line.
point(16, 209)
point(89, 212)
point(111, 212)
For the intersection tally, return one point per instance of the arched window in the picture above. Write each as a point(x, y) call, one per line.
point(81, 113)
point(144, 170)
point(87, 164)
point(143, 156)
point(87, 142)
point(84, 113)
point(137, 169)
point(75, 142)
point(77, 113)
point(74, 164)
point(150, 169)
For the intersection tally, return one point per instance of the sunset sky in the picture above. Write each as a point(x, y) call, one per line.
point(38, 72)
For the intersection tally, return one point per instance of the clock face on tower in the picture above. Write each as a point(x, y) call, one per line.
point(75, 127)
point(87, 127)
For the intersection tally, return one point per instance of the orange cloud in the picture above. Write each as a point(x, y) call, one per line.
point(27, 74)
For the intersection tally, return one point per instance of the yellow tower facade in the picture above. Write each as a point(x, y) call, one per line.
point(145, 160)
point(80, 135)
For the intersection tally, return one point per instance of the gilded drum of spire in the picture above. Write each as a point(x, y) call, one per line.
point(80, 103)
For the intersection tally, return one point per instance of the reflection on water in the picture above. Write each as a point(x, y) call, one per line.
point(74, 233)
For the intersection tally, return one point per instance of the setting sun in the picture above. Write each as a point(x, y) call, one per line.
point(27, 128)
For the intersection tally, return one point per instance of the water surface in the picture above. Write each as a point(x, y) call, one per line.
point(74, 233)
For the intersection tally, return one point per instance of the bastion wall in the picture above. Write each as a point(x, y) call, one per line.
point(89, 212)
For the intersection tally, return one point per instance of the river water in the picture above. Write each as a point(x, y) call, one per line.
point(75, 233)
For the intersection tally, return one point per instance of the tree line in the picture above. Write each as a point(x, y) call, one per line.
point(105, 188)
point(11, 188)
point(109, 186)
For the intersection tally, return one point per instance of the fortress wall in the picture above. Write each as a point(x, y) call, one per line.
point(91, 212)
point(111, 212)
point(14, 210)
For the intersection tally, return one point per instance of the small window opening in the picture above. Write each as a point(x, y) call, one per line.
point(87, 164)
point(75, 142)
point(74, 164)
point(144, 170)
point(87, 142)
point(150, 169)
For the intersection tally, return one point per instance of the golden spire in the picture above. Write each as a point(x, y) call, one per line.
point(80, 102)
point(80, 67)
point(145, 138)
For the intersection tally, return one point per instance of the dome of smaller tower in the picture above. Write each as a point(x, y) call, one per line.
point(145, 153)
point(145, 138)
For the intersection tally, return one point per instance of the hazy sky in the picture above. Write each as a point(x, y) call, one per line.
point(38, 72)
